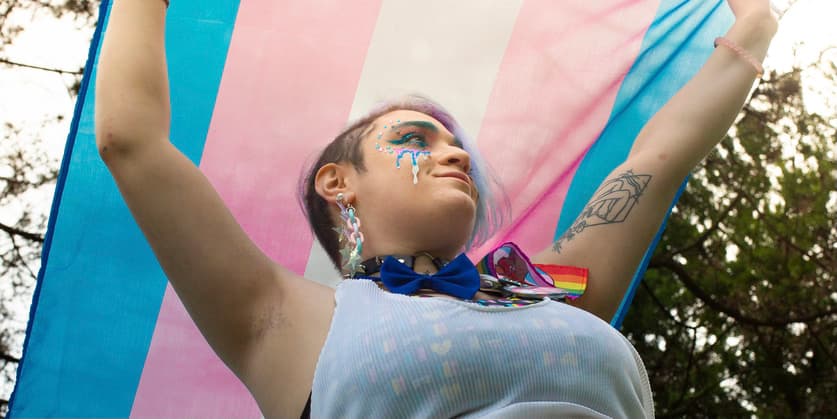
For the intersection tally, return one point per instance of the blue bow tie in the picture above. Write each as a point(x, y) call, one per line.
point(458, 278)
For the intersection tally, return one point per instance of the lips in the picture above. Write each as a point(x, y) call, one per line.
point(458, 175)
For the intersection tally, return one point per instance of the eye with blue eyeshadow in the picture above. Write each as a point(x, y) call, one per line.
point(411, 138)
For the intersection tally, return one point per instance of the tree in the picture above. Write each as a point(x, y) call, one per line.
point(737, 314)
point(27, 179)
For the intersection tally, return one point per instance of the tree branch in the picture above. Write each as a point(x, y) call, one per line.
point(657, 302)
point(715, 225)
point(822, 345)
point(37, 67)
point(19, 257)
point(43, 179)
point(679, 411)
point(692, 285)
point(9, 358)
point(684, 390)
point(25, 234)
point(772, 229)
point(822, 56)
point(781, 13)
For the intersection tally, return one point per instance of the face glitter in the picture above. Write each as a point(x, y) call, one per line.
point(414, 160)
point(416, 140)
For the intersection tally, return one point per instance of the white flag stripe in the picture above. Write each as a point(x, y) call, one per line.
point(448, 51)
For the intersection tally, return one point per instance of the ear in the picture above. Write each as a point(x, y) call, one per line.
point(332, 179)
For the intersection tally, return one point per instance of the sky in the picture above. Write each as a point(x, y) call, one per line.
point(809, 27)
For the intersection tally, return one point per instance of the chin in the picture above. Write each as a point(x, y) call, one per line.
point(462, 215)
point(456, 218)
point(456, 200)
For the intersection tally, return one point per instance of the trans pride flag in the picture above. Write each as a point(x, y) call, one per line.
point(554, 92)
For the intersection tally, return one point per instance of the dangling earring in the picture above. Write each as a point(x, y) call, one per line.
point(351, 239)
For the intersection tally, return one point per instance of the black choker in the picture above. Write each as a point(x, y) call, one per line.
point(372, 266)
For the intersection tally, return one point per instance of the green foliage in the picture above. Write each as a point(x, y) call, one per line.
point(737, 314)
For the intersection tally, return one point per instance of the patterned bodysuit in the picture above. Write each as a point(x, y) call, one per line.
point(396, 356)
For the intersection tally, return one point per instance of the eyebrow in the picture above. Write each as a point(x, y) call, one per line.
point(431, 127)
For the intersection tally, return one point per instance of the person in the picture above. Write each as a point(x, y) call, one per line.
point(371, 348)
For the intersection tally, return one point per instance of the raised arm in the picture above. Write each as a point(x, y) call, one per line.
point(613, 231)
point(231, 289)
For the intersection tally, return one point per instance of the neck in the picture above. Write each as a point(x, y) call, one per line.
point(422, 262)
point(410, 245)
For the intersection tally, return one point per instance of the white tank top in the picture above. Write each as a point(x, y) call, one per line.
point(396, 356)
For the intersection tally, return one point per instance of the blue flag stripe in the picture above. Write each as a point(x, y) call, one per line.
point(99, 285)
point(676, 45)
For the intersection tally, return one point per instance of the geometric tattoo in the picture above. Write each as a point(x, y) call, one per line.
point(610, 204)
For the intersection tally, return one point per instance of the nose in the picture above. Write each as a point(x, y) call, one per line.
point(455, 156)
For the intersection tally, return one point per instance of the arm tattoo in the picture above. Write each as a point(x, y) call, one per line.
point(610, 204)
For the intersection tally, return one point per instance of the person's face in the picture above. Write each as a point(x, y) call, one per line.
point(416, 185)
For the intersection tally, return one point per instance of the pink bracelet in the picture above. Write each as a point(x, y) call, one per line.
point(741, 53)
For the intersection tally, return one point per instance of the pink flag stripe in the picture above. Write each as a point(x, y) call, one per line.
point(287, 89)
point(456, 64)
point(571, 58)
